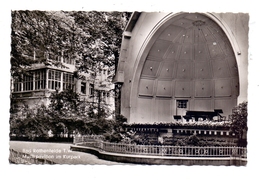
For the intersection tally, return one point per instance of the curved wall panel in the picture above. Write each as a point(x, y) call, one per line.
point(182, 89)
point(167, 70)
point(203, 89)
point(146, 87)
point(202, 70)
point(164, 88)
point(223, 88)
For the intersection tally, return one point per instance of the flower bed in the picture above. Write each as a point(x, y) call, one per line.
point(183, 124)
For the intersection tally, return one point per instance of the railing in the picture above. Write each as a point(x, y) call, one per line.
point(86, 138)
point(156, 150)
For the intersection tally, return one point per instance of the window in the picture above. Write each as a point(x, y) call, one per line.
point(91, 89)
point(40, 79)
point(28, 83)
point(182, 103)
point(83, 87)
point(17, 85)
point(54, 79)
point(67, 81)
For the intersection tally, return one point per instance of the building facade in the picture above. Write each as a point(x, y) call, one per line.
point(42, 80)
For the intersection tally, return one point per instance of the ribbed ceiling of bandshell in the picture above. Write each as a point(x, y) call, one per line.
point(192, 48)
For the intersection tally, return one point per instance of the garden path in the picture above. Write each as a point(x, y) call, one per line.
point(59, 153)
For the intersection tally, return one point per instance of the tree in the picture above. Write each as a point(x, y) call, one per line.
point(239, 120)
point(105, 34)
point(99, 105)
point(65, 103)
point(91, 38)
point(68, 113)
point(98, 108)
point(106, 31)
point(87, 37)
point(31, 122)
point(35, 37)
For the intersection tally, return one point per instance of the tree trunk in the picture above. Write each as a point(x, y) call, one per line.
point(99, 99)
point(118, 100)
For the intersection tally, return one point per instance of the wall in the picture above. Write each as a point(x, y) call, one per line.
point(238, 26)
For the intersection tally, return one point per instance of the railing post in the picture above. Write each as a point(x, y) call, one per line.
point(101, 145)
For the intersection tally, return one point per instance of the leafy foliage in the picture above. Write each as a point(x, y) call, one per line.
point(91, 38)
point(105, 34)
point(30, 122)
point(66, 103)
point(66, 114)
point(239, 120)
point(34, 35)
point(194, 140)
point(98, 107)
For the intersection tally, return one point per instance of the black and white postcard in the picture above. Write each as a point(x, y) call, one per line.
point(128, 87)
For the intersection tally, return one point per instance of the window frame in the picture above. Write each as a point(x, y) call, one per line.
point(83, 91)
point(182, 103)
point(53, 80)
point(28, 83)
point(91, 89)
point(68, 80)
point(39, 79)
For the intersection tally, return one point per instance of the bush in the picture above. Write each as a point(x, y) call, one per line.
point(121, 118)
point(181, 142)
point(193, 140)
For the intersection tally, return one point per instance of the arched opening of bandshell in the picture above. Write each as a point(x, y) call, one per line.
point(171, 63)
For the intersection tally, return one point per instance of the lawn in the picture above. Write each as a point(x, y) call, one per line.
point(58, 152)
